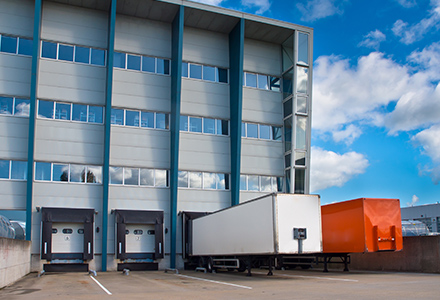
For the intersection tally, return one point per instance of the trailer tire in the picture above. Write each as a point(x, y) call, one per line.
point(242, 266)
point(210, 265)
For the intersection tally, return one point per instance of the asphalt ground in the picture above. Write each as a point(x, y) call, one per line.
point(288, 284)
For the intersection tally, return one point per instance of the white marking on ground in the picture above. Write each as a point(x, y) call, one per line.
point(313, 277)
point(100, 285)
point(214, 281)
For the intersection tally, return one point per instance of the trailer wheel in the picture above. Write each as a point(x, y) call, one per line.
point(210, 265)
point(242, 266)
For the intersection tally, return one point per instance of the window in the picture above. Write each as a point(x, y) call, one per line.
point(162, 121)
point(185, 69)
point(45, 109)
point(252, 130)
point(209, 126)
point(195, 180)
point(300, 158)
point(116, 175)
point(117, 116)
point(147, 177)
point(163, 66)
point(132, 118)
point(147, 119)
point(22, 107)
point(301, 105)
point(62, 111)
point(183, 123)
point(222, 127)
point(276, 133)
point(287, 107)
point(25, 46)
point(65, 52)
point(302, 78)
point(95, 114)
point(119, 60)
point(263, 82)
point(208, 73)
point(77, 173)
point(49, 50)
point(303, 48)
point(18, 170)
point(182, 181)
point(195, 124)
point(94, 174)
point(203, 180)
point(6, 105)
point(8, 44)
point(195, 71)
point(301, 129)
point(300, 175)
point(251, 80)
point(265, 132)
point(257, 183)
point(209, 181)
point(288, 134)
point(131, 176)
point(82, 55)
point(98, 57)
point(60, 172)
point(43, 171)
point(161, 178)
point(222, 75)
point(148, 64)
point(133, 62)
point(288, 84)
point(4, 169)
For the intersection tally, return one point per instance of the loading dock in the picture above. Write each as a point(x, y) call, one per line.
point(139, 239)
point(67, 236)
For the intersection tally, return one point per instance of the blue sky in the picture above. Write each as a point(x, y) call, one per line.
point(376, 95)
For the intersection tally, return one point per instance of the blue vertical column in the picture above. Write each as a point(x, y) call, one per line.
point(33, 103)
point(108, 111)
point(176, 85)
point(236, 47)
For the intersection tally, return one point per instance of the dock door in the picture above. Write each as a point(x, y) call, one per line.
point(67, 235)
point(139, 239)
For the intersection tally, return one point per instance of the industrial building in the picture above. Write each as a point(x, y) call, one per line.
point(429, 214)
point(116, 115)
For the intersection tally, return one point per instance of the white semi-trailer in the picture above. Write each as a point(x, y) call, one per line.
point(262, 229)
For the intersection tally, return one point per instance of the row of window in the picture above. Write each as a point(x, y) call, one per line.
point(262, 81)
point(204, 72)
point(79, 54)
point(14, 106)
point(204, 125)
point(261, 183)
point(15, 45)
point(139, 176)
point(136, 118)
point(70, 111)
point(203, 180)
point(13, 169)
point(141, 63)
point(260, 131)
point(58, 172)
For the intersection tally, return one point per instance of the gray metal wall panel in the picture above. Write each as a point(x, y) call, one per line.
point(262, 57)
point(246, 196)
point(203, 200)
point(142, 91)
point(69, 195)
point(139, 147)
point(136, 35)
point(13, 194)
point(262, 106)
point(74, 25)
point(71, 82)
point(203, 152)
point(15, 75)
point(207, 99)
point(17, 17)
point(262, 157)
point(70, 142)
point(13, 137)
point(206, 47)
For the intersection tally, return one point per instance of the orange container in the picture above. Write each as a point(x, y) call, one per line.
point(362, 225)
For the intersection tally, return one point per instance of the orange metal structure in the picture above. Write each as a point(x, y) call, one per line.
point(362, 225)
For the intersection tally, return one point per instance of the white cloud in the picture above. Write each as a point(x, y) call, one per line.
point(412, 33)
point(347, 135)
point(261, 5)
point(429, 140)
point(414, 200)
point(332, 169)
point(318, 9)
point(407, 3)
point(210, 2)
point(373, 39)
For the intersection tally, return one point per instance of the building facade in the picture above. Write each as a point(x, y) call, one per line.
point(429, 214)
point(112, 107)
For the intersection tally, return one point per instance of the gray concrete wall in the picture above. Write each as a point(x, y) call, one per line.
point(419, 254)
point(15, 260)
